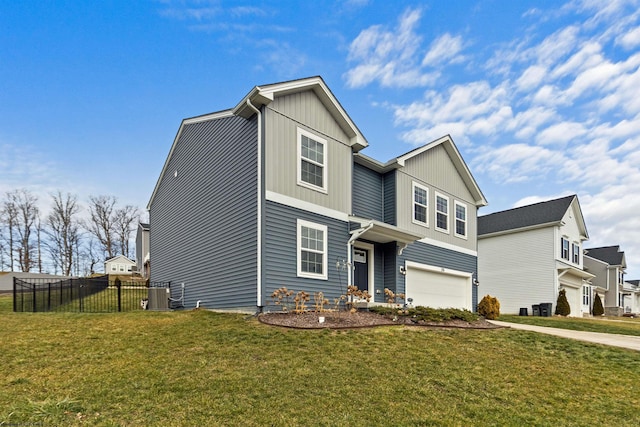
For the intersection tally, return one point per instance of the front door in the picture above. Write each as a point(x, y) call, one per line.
point(586, 299)
point(361, 269)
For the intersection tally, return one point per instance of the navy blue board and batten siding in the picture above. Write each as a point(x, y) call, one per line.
point(280, 256)
point(204, 214)
point(368, 193)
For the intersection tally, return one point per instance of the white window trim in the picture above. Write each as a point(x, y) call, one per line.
point(413, 204)
point(568, 258)
point(325, 155)
point(325, 267)
point(455, 219)
point(573, 246)
point(435, 209)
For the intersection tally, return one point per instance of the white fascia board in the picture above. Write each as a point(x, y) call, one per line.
point(306, 206)
point(444, 245)
point(518, 230)
point(191, 120)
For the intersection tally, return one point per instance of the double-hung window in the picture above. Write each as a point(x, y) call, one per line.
point(564, 244)
point(461, 220)
point(312, 250)
point(420, 204)
point(575, 253)
point(442, 213)
point(312, 161)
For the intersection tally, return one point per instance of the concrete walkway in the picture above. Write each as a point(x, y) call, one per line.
point(625, 341)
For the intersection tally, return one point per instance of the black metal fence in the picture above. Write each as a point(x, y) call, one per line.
point(88, 295)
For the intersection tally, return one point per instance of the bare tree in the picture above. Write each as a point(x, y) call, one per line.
point(10, 218)
point(101, 223)
point(25, 205)
point(124, 221)
point(63, 231)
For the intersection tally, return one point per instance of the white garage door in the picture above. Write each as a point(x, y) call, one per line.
point(438, 288)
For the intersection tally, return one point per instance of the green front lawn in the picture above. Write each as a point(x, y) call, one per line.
point(610, 325)
point(202, 368)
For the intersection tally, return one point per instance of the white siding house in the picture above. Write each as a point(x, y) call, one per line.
point(528, 254)
point(120, 265)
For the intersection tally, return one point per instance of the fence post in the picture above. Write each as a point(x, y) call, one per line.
point(49, 297)
point(15, 296)
point(119, 286)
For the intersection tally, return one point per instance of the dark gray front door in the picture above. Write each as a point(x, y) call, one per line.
point(361, 269)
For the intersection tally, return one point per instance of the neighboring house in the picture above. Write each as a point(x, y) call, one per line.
point(608, 264)
point(631, 296)
point(120, 265)
point(274, 192)
point(6, 278)
point(143, 262)
point(528, 254)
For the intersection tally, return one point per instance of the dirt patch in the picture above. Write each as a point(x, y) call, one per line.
point(360, 319)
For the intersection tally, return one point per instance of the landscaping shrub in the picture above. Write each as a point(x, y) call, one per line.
point(598, 309)
point(562, 305)
point(427, 314)
point(489, 307)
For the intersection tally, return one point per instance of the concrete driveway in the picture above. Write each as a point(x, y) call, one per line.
point(625, 341)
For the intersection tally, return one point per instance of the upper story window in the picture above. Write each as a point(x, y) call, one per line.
point(312, 250)
point(312, 161)
point(575, 253)
point(461, 220)
point(564, 247)
point(442, 213)
point(620, 277)
point(420, 204)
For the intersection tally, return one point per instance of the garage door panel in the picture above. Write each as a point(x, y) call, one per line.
point(437, 289)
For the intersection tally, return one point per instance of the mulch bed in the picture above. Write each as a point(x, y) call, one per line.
point(360, 319)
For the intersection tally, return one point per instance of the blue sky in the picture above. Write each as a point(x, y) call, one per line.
point(541, 97)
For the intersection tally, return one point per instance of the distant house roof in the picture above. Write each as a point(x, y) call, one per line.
point(634, 282)
point(121, 258)
point(609, 254)
point(551, 211)
point(144, 225)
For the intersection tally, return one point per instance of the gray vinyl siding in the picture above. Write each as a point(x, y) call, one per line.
point(390, 206)
point(435, 170)
point(282, 119)
point(391, 270)
point(204, 220)
point(367, 193)
point(280, 255)
point(438, 257)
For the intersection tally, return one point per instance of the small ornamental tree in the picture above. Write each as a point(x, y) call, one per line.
point(562, 305)
point(489, 307)
point(598, 309)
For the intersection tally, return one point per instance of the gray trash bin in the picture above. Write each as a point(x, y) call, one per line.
point(524, 311)
point(536, 309)
point(545, 309)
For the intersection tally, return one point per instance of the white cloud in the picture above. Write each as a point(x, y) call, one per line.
point(389, 57)
point(444, 49)
point(630, 39)
point(531, 78)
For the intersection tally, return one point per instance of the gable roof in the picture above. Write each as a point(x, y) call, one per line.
point(265, 94)
point(119, 258)
point(447, 143)
point(609, 254)
point(546, 213)
point(634, 282)
point(143, 225)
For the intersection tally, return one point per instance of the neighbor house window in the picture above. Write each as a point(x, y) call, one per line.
point(312, 161)
point(113, 267)
point(312, 250)
point(461, 219)
point(442, 213)
point(575, 253)
point(420, 204)
point(565, 248)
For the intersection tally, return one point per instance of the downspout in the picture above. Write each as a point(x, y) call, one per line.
point(259, 207)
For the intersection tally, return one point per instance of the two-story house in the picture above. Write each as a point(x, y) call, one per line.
point(143, 262)
point(608, 264)
point(275, 192)
point(528, 254)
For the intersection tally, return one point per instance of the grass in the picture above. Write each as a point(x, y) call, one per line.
point(611, 325)
point(193, 368)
